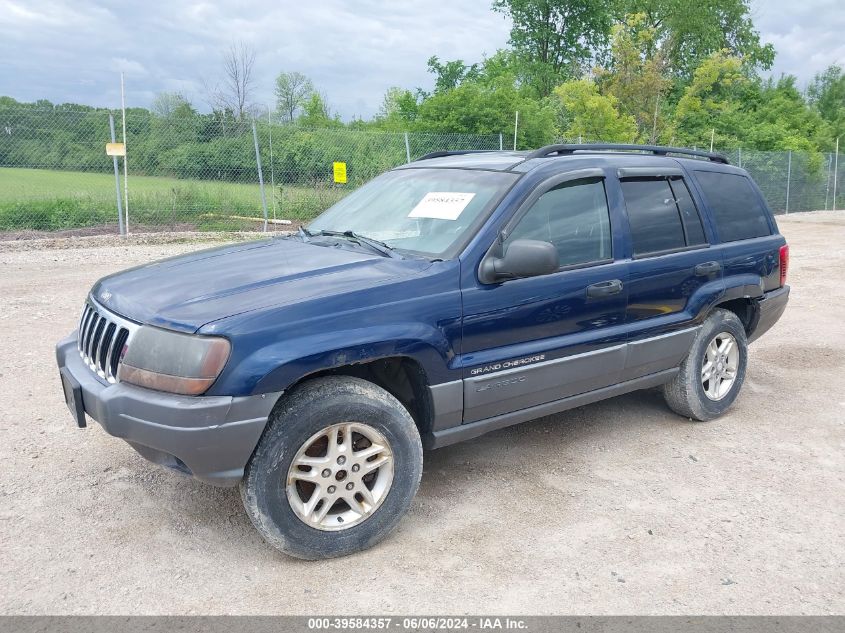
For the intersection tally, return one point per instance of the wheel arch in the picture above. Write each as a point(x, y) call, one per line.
point(746, 309)
point(741, 296)
point(403, 377)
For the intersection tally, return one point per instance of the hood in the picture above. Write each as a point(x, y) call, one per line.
point(186, 292)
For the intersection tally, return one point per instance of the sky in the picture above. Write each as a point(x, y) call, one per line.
point(353, 50)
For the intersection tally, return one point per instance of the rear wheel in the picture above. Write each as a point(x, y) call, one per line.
point(336, 469)
point(711, 377)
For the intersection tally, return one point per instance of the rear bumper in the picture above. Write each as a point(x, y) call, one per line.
point(208, 437)
point(770, 309)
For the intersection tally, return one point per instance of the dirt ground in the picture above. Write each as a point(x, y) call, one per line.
point(619, 507)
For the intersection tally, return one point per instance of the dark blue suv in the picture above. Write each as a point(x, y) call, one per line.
point(456, 295)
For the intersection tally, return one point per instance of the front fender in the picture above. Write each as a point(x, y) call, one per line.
point(277, 366)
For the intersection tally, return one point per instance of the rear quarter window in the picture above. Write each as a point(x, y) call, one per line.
point(737, 209)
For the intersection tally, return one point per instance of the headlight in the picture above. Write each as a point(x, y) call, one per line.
point(178, 363)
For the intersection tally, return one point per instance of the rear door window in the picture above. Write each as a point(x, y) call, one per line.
point(738, 212)
point(662, 215)
point(689, 214)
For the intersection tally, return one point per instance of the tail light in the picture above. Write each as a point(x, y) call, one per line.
point(784, 263)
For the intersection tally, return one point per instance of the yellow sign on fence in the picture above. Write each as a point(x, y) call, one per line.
point(339, 172)
point(115, 149)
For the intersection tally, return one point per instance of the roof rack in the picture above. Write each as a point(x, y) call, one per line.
point(454, 152)
point(658, 150)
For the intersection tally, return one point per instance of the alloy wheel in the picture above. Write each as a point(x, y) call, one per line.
point(720, 365)
point(340, 476)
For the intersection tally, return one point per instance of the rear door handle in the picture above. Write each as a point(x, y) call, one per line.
point(707, 268)
point(604, 289)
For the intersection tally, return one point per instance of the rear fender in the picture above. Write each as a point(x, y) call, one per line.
point(747, 286)
point(736, 287)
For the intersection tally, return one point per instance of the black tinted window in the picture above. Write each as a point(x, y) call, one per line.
point(689, 214)
point(573, 217)
point(737, 209)
point(653, 216)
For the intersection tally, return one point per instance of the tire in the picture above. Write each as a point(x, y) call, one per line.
point(688, 394)
point(356, 416)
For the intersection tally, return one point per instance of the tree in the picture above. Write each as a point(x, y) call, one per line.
point(583, 113)
point(451, 74)
point(168, 104)
point(487, 108)
point(827, 96)
point(712, 101)
point(293, 90)
point(688, 32)
point(780, 119)
point(234, 93)
point(398, 110)
point(556, 39)
point(317, 114)
point(637, 79)
point(742, 111)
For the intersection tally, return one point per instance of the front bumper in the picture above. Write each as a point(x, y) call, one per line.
point(209, 437)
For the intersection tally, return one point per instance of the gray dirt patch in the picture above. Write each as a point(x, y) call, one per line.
point(616, 508)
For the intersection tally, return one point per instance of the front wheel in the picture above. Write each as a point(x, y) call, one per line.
point(336, 469)
point(710, 378)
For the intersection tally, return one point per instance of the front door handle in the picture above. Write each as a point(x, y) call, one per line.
point(707, 268)
point(604, 289)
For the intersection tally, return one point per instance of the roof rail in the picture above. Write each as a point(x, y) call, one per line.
point(658, 150)
point(453, 152)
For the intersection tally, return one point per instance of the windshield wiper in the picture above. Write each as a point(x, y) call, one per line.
point(376, 245)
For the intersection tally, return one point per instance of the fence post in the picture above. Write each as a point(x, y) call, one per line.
point(125, 155)
point(407, 148)
point(501, 141)
point(740, 157)
point(116, 180)
point(835, 172)
point(515, 128)
point(272, 171)
point(827, 187)
point(260, 175)
point(788, 177)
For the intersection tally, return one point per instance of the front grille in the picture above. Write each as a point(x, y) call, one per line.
point(102, 339)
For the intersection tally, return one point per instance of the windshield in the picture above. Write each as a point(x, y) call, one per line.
point(427, 211)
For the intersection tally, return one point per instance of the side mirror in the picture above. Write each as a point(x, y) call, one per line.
point(523, 258)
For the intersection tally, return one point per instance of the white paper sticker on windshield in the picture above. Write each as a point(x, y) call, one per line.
point(441, 205)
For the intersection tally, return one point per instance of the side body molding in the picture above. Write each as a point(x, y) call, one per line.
point(514, 389)
point(473, 406)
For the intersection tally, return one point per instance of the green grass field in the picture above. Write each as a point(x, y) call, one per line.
point(40, 199)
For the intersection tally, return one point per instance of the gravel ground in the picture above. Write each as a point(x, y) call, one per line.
point(616, 508)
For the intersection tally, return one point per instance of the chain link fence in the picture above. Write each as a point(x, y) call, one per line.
point(186, 172)
point(189, 171)
point(794, 181)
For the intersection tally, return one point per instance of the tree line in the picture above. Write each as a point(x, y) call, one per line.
point(645, 71)
point(639, 71)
